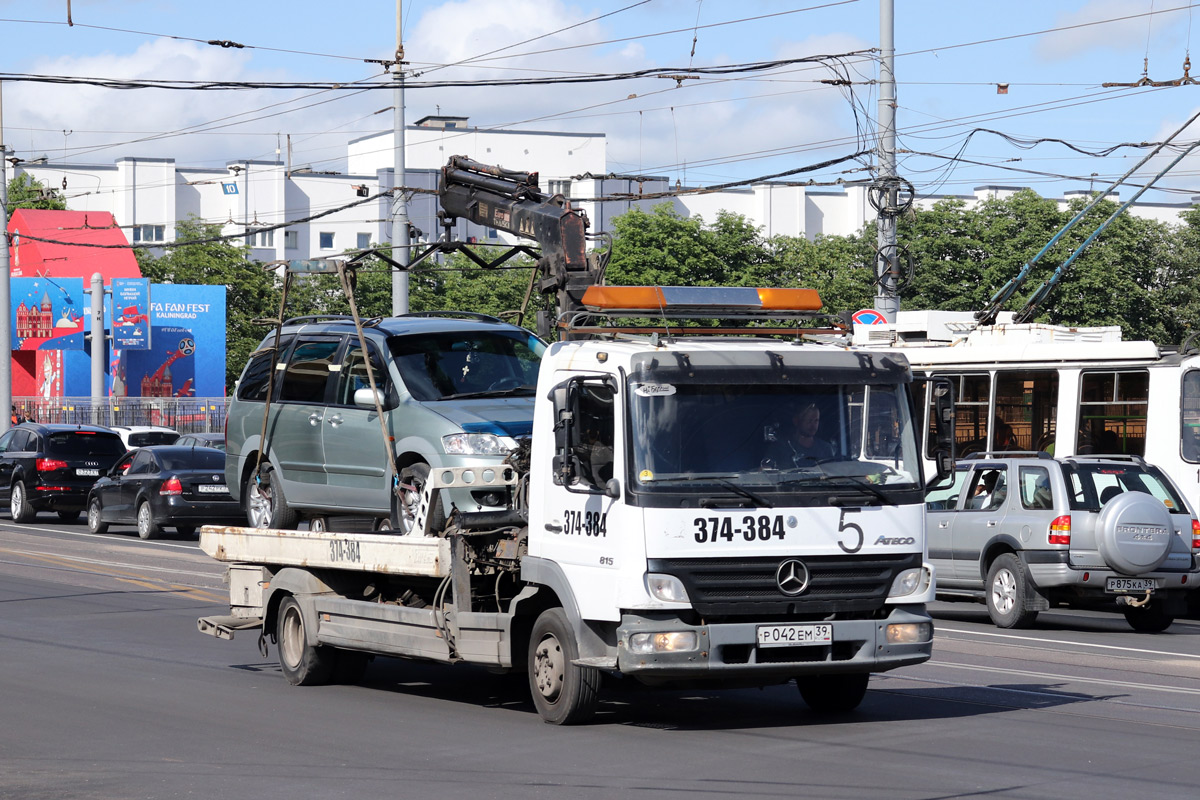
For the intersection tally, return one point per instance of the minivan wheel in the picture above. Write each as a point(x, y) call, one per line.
point(268, 512)
point(1007, 591)
point(19, 508)
point(413, 479)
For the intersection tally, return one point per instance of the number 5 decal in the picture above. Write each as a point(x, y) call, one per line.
point(850, 526)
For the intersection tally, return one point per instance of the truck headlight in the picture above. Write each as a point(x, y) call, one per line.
point(473, 444)
point(666, 588)
point(909, 632)
point(644, 644)
point(909, 582)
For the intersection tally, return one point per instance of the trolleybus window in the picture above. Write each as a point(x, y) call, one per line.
point(1112, 413)
point(1026, 402)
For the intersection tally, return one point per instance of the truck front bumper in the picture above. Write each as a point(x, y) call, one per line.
point(730, 650)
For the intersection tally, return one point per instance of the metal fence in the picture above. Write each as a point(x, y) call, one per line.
point(184, 414)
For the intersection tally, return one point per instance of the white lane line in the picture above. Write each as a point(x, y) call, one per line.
point(1066, 678)
point(1032, 639)
point(94, 536)
point(98, 562)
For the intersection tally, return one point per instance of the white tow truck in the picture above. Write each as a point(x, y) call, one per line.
point(662, 523)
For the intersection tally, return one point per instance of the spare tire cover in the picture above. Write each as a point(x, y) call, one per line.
point(1134, 532)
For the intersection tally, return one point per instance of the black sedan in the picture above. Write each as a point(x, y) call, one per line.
point(164, 486)
point(214, 440)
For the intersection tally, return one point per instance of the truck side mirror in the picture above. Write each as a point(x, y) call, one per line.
point(562, 402)
point(943, 421)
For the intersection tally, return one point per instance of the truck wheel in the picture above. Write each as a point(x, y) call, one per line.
point(147, 528)
point(18, 504)
point(833, 694)
point(95, 523)
point(563, 693)
point(1150, 619)
point(415, 477)
point(1007, 590)
point(302, 664)
point(268, 512)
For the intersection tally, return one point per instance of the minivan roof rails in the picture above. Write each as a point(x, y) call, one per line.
point(369, 323)
point(452, 314)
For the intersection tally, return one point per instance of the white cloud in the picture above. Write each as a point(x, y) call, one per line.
point(1125, 36)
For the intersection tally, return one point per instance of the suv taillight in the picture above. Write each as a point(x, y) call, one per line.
point(1060, 530)
point(1196, 534)
point(171, 486)
point(50, 464)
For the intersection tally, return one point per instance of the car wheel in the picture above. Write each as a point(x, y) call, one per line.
point(412, 486)
point(302, 664)
point(268, 509)
point(318, 524)
point(147, 528)
point(94, 522)
point(564, 693)
point(68, 516)
point(1007, 593)
point(185, 530)
point(1148, 619)
point(18, 505)
point(833, 694)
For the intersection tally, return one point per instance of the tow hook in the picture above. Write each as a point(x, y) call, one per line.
point(1126, 600)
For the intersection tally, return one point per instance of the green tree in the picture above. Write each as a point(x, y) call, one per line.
point(252, 292)
point(25, 191)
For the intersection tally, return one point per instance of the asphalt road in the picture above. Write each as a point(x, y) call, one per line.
point(108, 691)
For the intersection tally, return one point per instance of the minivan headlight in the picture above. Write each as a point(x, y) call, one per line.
point(473, 444)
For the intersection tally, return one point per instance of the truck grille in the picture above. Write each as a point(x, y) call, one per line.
point(747, 586)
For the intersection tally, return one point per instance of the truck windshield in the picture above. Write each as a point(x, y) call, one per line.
point(443, 366)
point(772, 437)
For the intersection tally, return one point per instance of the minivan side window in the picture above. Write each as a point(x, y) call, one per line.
point(353, 376)
point(308, 371)
point(253, 385)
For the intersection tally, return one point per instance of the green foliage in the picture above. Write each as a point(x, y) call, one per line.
point(253, 293)
point(25, 191)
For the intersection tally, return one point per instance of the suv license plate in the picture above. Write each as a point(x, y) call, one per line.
point(212, 488)
point(1129, 585)
point(794, 635)
point(87, 473)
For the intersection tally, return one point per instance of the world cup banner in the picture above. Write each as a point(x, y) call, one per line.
point(131, 313)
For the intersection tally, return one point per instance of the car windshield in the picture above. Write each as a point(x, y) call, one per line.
point(1091, 485)
point(194, 459)
point(148, 438)
point(772, 437)
point(444, 366)
point(85, 444)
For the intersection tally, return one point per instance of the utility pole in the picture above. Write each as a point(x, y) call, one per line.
point(400, 233)
point(5, 288)
point(887, 299)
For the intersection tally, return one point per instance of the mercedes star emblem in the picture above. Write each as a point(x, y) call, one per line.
point(792, 577)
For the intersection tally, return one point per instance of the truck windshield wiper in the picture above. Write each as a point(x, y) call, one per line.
point(741, 491)
point(858, 482)
point(512, 391)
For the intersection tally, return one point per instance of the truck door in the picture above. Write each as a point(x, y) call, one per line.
point(581, 536)
point(356, 460)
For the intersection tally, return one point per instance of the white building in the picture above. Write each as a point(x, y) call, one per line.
point(148, 195)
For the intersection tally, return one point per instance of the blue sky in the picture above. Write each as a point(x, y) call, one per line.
point(1054, 56)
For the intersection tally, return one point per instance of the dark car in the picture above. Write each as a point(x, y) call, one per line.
point(164, 486)
point(52, 467)
point(214, 440)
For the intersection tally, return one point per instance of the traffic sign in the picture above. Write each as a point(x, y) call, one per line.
point(868, 316)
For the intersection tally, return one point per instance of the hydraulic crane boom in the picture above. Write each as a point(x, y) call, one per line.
point(510, 200)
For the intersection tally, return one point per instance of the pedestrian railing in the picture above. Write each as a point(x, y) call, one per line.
point(184, 414)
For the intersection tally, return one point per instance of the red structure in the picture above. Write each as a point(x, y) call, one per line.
point(60, 257)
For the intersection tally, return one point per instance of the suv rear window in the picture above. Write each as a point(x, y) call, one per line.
point(85, 444)
point(152, 437)
point(1090, 486)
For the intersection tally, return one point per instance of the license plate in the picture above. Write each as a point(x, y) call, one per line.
point(1129, 585)
point(212, 488)
point(794, 635)
point(87, 473)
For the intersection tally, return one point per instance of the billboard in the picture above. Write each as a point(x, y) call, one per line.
point(130, 313)
point(45, 309)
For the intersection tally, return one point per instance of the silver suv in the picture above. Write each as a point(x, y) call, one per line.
point(1025, 531)
point(456, 390)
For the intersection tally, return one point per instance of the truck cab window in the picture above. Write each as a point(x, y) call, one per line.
point(595, 426)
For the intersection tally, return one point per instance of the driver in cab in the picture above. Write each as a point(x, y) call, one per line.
point(801, 444)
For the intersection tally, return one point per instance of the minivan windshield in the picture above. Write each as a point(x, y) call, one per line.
point(461, 364)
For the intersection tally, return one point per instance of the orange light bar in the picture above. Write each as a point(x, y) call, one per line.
point(699, 298)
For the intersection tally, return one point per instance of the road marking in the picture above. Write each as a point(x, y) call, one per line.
point(1065, 678)
point(99, 563)
point(94, 536)
point(1064, 641)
